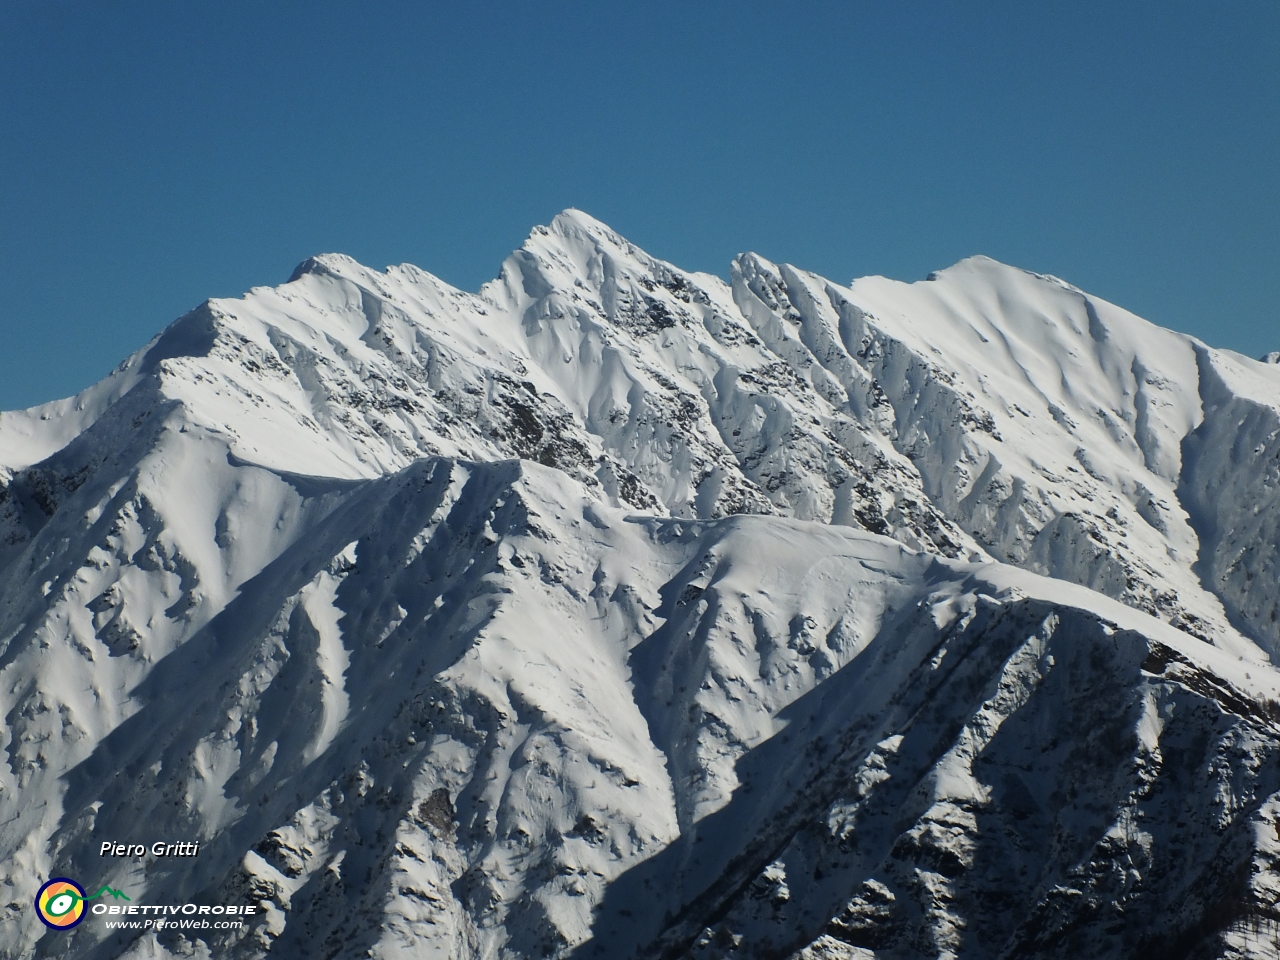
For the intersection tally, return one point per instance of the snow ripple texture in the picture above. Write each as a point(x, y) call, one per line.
point(617, 611)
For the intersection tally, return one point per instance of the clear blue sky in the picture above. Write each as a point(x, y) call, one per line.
point(154, 154)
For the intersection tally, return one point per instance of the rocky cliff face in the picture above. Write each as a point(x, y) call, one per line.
point(619, 611)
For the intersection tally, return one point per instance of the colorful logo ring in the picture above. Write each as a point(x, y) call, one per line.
point(60, 903)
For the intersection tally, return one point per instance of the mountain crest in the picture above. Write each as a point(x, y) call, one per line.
point(617, 610)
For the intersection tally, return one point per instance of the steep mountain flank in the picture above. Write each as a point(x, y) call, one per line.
point(618, 611)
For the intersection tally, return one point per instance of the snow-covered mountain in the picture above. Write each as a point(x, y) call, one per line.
point(619, 611)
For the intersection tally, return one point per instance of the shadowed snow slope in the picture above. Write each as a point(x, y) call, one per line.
point(619, 611)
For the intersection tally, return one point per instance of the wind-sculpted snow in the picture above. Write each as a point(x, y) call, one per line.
point(619, 611)
point(555, 725)
point(1047, 423)
point(986, 411)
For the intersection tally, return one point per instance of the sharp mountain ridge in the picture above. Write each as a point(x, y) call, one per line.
point(616, 610)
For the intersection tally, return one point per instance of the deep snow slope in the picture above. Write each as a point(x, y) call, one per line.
point(985, 412)
point(471, 711)
point(1060, 431)
point(619, 611)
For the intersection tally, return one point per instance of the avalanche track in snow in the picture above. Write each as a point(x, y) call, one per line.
point(617, 611)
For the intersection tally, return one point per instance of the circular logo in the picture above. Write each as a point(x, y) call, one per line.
point(60, 903)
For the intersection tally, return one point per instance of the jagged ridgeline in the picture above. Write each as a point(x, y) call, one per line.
point(619, 611)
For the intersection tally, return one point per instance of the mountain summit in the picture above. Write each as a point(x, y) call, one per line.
point(616, 610)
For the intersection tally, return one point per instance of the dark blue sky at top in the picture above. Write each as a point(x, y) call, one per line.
point(156, 154)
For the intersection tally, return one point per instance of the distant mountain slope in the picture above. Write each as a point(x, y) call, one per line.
point(615, 610)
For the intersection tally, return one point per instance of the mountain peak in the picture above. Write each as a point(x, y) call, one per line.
point(325, 263)
point(572, 218)
point(581, 236)
point(619, 611)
